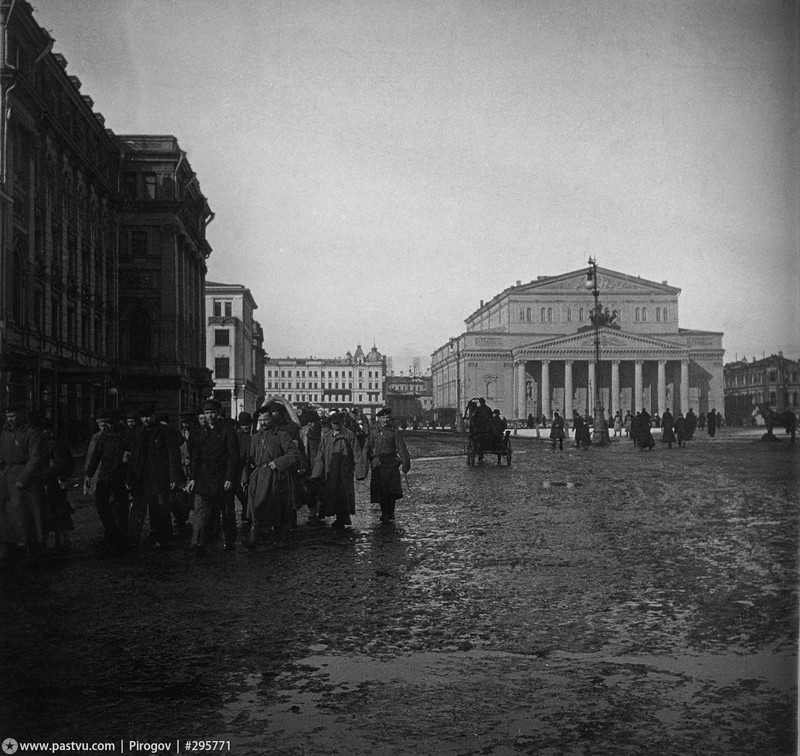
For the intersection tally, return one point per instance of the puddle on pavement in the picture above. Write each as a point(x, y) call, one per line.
point(295, 701)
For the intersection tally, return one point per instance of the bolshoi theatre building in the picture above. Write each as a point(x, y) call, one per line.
point(536, 349)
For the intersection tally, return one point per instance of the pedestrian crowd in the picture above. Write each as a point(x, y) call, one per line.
point(139, 467)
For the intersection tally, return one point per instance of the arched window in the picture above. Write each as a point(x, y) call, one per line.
point(529, 314)
point(580, 315)
point(644, 314)
point(543, 314)
point(658, 314)
point(141, 336)
point(569, 314)
point(549, 314)
point(637, 314)
point(521, 315)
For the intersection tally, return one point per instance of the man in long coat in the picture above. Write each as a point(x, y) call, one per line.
point(338, 459)
point(154, 469)
point(22, 459)
point(214, 470)
point(385, 454)
point(269, 476)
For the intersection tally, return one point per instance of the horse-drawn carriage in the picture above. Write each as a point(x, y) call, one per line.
point(485, 434)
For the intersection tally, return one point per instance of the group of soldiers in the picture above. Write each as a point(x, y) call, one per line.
point(138, 465)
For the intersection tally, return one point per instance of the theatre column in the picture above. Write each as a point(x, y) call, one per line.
point(662, 386)
point(546, 388)
point(567, 389)
point(614, 387)
point(684, 386)
point(637, 386)
point(522, 410)
point(591, 389)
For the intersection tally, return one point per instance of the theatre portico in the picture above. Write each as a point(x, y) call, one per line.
point(532, 350)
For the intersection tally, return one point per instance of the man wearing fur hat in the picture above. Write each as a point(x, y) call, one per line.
point(338, 459)
point(272, 459)
point(385, 454)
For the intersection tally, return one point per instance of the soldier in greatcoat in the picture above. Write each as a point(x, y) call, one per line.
point(215, 468)
point(270, 476)
point(22, 506)
point(338, 459)
point(385, 454)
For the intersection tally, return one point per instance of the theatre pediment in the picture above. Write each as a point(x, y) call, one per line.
point(607, 281)
point(612, 342)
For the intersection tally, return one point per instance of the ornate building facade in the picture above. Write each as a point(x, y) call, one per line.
point(102, 248)
point(58, 232)
point(234, 348)
point(162, 268)
point(355, 380)
point(753, 388)
point(533, 349)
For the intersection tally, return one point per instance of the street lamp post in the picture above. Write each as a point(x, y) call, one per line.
point(454, 342)
point(600, 424)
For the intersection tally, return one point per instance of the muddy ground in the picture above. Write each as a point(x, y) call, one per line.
point(607, 601)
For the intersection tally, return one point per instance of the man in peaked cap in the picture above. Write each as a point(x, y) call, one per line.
point(155, 468)
point(385, 453)
point(214, 470)
point(22, 459)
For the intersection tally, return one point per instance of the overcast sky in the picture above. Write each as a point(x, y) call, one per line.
point(378, 168)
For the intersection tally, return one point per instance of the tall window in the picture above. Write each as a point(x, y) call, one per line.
point(644, 314)
point(150, 185)
point(549, 314)
point(522, 315)
point(222, 307)
point(580, 315)
point(129, 185)
point(637, 314)
point(543, 314)
point(569, 314)
point(222, 367)
point(658, 314)
point(141, 336)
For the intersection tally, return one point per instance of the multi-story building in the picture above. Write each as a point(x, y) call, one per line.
point(534, 349)
point(755, 387)
point(355, 380)
point(59, 170)
point(102, 248)
point(234, 347)
point(162, 268)
point(409, 396)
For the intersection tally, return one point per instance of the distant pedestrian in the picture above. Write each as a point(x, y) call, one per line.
point(711, 423)
point(557, 432)
point(618, 424)
point(667, 428)
point(644, 434)
point(680, 429)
